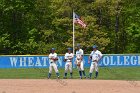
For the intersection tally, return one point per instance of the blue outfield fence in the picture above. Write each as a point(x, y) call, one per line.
point(42, 61)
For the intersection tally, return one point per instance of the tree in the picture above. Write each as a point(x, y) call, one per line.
point(35, 26)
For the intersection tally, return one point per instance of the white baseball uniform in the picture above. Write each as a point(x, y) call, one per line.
point(79, 55)
point(53, 63)
point(96, 55)
point(68, 64)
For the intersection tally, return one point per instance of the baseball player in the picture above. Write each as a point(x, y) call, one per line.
point(68, 65)
point(95, 57)
point(79, 61)
point(53, 59)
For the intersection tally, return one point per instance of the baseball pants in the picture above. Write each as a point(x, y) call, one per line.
point(81, 68)
point(53, 65)
point(68, 66)
point(94, 65)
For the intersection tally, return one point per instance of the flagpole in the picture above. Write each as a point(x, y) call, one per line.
point(73, 37)
point(73, 33)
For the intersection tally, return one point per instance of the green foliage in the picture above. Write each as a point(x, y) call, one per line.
point(133, 32)
point(4, 41)
point(35, 26)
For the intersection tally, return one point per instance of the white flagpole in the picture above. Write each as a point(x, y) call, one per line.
point(73, 33)
point(73, 38)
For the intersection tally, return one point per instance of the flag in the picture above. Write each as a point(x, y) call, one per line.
point(78, 20)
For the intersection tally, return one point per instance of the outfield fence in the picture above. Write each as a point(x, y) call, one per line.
point(42, 61)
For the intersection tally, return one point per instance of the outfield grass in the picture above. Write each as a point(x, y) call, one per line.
point(105, 73)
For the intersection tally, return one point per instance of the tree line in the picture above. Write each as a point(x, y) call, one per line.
point(35, 26)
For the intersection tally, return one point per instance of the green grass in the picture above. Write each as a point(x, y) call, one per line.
point(105, 73)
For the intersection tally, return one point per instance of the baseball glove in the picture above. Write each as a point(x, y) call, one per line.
point(55, 59)
point(78, 64)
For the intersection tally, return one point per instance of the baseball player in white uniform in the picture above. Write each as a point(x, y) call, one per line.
point(52, 61)
point(79, 61)
point(68, 65)
point(95, 57)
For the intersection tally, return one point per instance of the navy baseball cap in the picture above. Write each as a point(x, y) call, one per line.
point(53, 49)
point(69, 48)
point(94, 46)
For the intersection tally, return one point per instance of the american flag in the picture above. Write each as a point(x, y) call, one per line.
point(78, 20)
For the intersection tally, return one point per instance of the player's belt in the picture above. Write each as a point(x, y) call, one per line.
point(51, 62)
point(94, 61)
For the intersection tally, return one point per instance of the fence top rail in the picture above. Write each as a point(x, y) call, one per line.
point(64, 54)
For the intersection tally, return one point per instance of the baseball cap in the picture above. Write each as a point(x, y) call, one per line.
point(53, 49)
point(69, 48)
point(94, 46)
